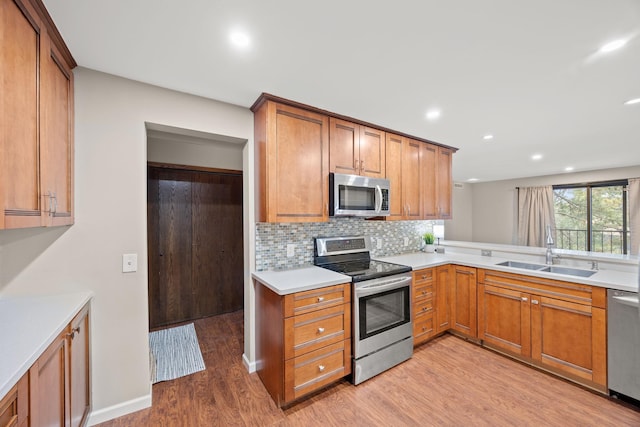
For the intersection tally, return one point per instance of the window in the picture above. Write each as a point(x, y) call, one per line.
point(592, 217)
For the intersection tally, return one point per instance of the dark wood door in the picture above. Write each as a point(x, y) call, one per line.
point(195, 244)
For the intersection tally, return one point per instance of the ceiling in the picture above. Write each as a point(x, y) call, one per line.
point(527, 72)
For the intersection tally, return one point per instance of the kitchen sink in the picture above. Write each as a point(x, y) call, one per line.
point(569, 271)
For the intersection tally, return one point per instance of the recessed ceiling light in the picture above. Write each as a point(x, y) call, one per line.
point(433, 114)
point(487, 137)
point(536, 157)
point(472, 179)
point(614, 45)
point(568, 169)
point(632, 101)
point(239, 39)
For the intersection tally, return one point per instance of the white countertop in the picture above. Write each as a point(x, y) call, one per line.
point(300, 279)
point(29, 325)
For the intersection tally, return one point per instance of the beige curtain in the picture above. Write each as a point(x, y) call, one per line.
point(634, 214)
point(535, 212)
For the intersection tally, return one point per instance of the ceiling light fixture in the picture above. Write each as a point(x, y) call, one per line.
point(239, 39)
point(568, 169)
point(614, 45)
point(487, 137)
point(536, 157)
point(472, 179)
point(433, 114)
point(632, 101)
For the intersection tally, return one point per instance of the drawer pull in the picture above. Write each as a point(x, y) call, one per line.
point(320, 299)
point(424, 276)
point(534, 301)
point(320, 330)
point(524, 299)
point(321, 368)
point(424, 292)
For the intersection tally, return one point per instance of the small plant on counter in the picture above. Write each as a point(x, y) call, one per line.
point(428, 238)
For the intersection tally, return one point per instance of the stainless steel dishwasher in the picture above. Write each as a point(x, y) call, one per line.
point(623, 327)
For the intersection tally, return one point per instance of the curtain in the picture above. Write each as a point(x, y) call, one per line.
point(535, 213)
point(634, 214)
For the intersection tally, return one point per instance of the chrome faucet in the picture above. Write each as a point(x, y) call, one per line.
point(549, 256)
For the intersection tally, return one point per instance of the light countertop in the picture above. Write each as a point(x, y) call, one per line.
point(29, 325)
point(299, 279)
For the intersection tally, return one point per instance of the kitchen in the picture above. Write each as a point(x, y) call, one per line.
point(110, 143)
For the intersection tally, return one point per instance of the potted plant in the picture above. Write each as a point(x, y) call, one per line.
point(428, 238)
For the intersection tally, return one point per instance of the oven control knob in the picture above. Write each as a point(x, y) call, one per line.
point(320, 330)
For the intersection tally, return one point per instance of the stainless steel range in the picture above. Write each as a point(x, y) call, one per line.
point(381, 301)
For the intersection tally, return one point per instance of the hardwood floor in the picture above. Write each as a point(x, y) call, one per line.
point(448, 382)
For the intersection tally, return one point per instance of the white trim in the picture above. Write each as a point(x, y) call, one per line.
point(251, 366)
point(124, 408)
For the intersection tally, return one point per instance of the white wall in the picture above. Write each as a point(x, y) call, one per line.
point(460, 227)
point(110, 201)
point(494, 203)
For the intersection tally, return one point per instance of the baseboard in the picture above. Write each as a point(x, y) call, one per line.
point(251, 366)
point(115, 411)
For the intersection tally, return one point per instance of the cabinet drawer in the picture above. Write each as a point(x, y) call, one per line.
point(9, 409)
point(422, 276)
point(308, 332)
point(423, 292)
point(423, 306)
point(308, 301)
point(423, 328)
point(312, 371)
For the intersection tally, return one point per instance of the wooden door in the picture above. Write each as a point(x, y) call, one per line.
point(411, 179)
point(443, 298)
point(569, 338)
point(372, 152)
point(504, 319)
point(56, 135)
point(21, 39)
point(48, 388)
point(464, 314)
point(344, 148)
point(393, 162)
point(444, 183)
point(299, 166)
point(195, 245)
point(428, 180)
point(79, 385)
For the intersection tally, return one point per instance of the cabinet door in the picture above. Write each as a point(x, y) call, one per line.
point(569, 337)
point(394, 175)
point(372, 152)
point(444, 183)
point(21, 39)
point(344, 149)
point(48, 386)
point(464, 314)
point(411, 179)
point(443, 298)
point(56, 135)
point(79, 391)
point(298, 165)
point(504, 319)
point(428, 180)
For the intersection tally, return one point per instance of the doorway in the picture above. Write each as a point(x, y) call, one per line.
point(195, 241)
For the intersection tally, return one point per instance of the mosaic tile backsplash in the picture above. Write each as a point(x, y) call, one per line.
point(272, 239)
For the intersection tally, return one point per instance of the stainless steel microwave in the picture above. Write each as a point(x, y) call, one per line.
point(354, 195)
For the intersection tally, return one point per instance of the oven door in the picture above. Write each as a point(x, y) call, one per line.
point(382, 313)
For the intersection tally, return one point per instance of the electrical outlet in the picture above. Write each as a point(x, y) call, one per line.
point(406, 241)
point(485, 252)
point(129, 263)
point(291, 250)
point(379, 242)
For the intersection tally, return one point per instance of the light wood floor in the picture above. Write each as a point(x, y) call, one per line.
point(448, 382)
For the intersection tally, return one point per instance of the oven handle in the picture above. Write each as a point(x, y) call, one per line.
point(382, 286)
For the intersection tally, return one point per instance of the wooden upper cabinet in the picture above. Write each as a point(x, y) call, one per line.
point(36, 119)
point(356, 149)
point(292, 151)
point(403, 172)
point(444, 184)
point(428, 180)
point(394, 175)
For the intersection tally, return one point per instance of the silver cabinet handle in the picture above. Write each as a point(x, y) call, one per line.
point(534, 301)
point(321, 368)
point(320, 330)
point(361, 165)
point(320, 299)
point(55, 203)
point(524, 299)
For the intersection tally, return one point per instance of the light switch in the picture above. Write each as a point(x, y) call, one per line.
point(129, 263)
point(379, 242)
point(406, 241)
point(291, 250)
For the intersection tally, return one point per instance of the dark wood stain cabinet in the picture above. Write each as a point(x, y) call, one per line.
point(195, 244)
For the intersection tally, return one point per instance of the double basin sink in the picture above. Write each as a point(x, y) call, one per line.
point(548, 268)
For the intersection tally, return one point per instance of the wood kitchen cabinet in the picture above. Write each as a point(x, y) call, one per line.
point(303, 340)
point(356, 149)
point(431, 302)
point(36, 119)
point(292, 153)
point(444, 183)
point(559, 326)
point(59, 388)
point(464, 304)
point(14, 407)
point(435, 181)
point(403, 172)
point(444, 302)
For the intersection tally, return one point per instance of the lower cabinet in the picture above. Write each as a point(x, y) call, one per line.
point(431, 302)
point(303, 340)
point(14, 407)
point(464, 306)
point(559, 326)
point(58, 382)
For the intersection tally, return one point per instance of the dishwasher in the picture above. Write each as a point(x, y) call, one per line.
point(623, 328)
